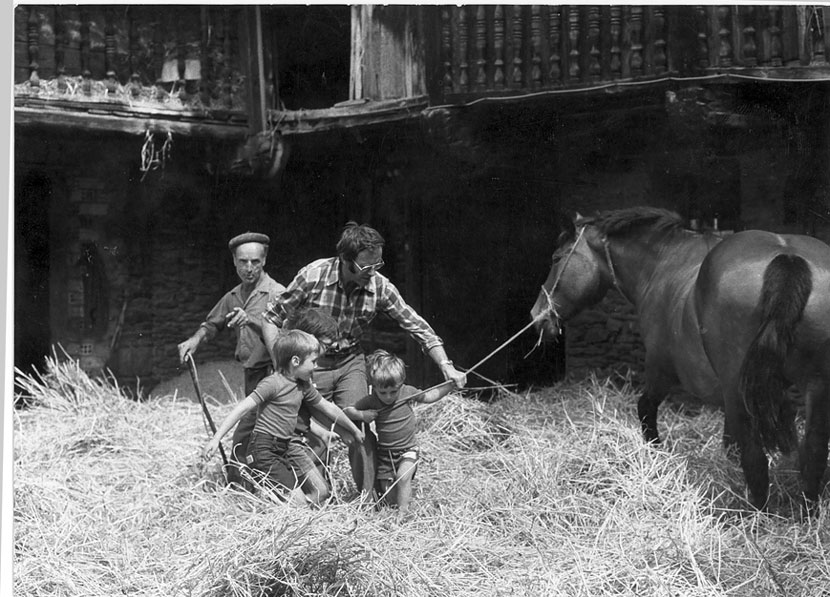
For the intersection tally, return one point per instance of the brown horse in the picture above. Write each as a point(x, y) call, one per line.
point(735, 320)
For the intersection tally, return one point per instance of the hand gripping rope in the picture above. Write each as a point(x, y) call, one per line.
point(550, 308)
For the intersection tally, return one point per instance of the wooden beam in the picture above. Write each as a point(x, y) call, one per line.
point(101, 116)
point(125, 122)
point(352, 114)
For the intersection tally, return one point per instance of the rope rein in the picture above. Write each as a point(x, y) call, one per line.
point(611, 267)
point(550, 308)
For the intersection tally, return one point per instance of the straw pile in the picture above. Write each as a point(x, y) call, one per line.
point(552, 493)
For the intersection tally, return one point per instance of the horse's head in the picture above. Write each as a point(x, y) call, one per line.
point(577, 278)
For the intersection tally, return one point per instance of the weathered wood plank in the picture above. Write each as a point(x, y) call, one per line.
point(119, 118)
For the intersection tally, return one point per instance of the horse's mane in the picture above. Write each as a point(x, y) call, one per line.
point(620, 221)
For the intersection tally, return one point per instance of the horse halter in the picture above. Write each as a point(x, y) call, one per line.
point(611, 265)
point(549, 293)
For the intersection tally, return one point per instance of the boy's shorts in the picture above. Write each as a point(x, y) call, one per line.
point(389, 461)
point(283, 463)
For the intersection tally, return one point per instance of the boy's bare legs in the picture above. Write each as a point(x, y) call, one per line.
point(403, 485)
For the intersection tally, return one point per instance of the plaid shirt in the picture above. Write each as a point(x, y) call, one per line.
point(318, 285)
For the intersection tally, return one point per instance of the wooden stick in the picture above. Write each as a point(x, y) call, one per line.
point(205, 410)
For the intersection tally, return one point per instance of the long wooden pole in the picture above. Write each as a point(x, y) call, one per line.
point(201, 398)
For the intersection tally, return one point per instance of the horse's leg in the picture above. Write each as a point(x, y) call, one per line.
point(751, 455)
point(730, 441)
point(647, 407)
point(813, 452)
point(657, 387)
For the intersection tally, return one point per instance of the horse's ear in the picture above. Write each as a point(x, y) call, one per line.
point(579, 219)
point(567, 229)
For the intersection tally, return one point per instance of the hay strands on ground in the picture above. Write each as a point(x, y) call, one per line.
point(194, 375)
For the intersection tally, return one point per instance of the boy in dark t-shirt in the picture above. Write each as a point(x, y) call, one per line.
point(279, 457)
point(390, 407)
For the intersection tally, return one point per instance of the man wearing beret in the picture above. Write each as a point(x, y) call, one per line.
point(241, 310)
point(350, 289)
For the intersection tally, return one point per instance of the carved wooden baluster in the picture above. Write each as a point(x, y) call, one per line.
point(446, 47)
point(498, 46)
point(573, 36)
point(463, 38)
point(204, 52)
point(33, 42)
point(60, 48)
point(816, 33)
point(109, 50)
point(181, 56)
point(86, 84)
point(593, 42)
point(616, 34)
point(536, 43)
point(555, 34)
point(517, 78)
point(481, 47)
point(750, 48)
point(158, 54)
point(135, 50)
point(702, 24)
point(227, 70)
point(724, 36)
point(775, 36)
point(659, 24)
point(636, 41)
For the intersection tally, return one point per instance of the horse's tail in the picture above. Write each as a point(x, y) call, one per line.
point(784, 294)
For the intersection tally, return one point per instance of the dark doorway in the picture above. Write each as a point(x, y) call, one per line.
point(33, 193)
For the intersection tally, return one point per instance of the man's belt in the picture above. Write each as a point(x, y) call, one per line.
point(341, 353)
point(334, 359)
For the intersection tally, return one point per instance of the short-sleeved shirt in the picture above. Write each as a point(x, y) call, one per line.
point(396, 422)
point(278, 401)
point(318, 285)
point(250, 349)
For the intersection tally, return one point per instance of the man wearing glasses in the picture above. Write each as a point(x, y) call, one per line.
point(350, 289)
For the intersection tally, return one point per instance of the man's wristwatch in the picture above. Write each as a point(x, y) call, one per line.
point(445, 362)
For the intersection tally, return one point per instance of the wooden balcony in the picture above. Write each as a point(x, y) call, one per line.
point(493, 50)
point(182, 67)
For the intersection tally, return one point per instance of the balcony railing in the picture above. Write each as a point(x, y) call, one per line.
point(763, 37)
point(173, 56)
point(199, 59)
point(495, 49)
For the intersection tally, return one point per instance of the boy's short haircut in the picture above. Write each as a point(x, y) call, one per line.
point(312, 321)
point(385, 370)
point(294, 343)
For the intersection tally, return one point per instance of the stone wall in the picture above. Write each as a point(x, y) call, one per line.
point(605, 338)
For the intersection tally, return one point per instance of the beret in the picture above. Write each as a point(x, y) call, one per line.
point(248, 237)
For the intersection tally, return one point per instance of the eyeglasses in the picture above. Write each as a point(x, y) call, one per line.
point(373, 268)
